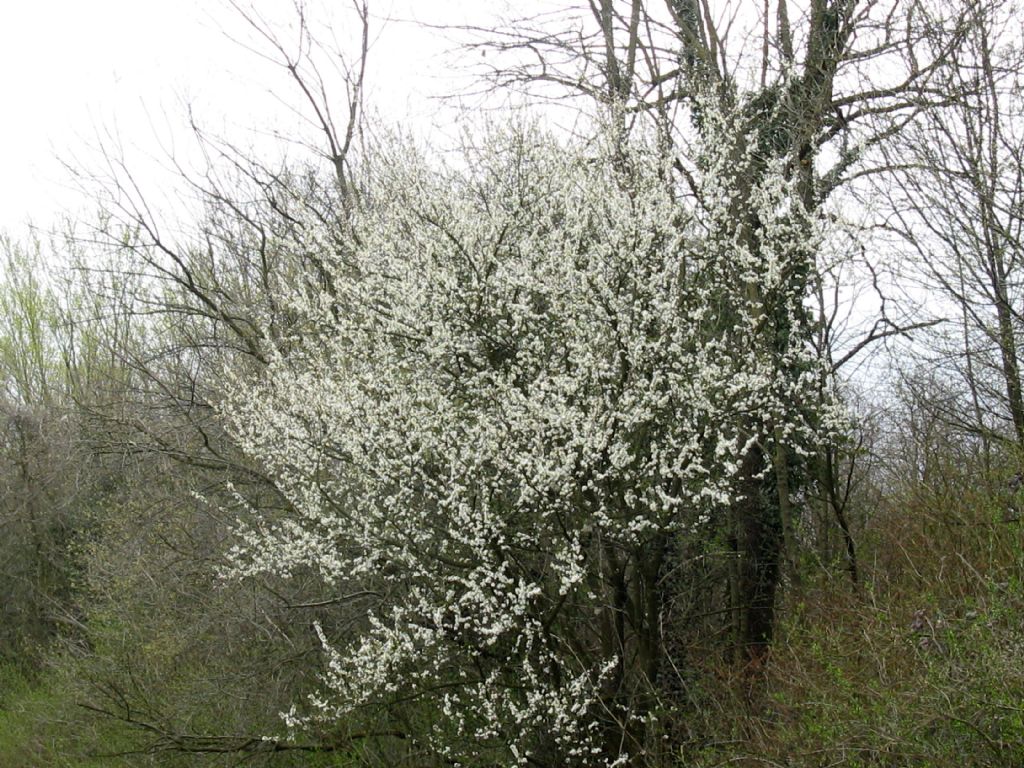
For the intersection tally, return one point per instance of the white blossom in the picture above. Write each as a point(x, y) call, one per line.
point(520, 364)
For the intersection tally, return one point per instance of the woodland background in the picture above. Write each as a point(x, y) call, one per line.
point(856, 599)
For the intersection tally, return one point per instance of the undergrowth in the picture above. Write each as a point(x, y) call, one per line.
point(921, 664)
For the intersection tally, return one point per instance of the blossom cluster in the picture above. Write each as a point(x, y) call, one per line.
point(522, 366)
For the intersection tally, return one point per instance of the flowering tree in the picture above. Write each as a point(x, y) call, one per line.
point(528, 378)
point(811, 88)
point(499, 410)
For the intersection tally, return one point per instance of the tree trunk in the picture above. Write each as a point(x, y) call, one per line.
point(760, 552)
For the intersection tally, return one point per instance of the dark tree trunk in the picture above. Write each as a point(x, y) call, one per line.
point(759, 534)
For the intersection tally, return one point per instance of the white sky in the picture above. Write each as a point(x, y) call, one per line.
point(78, 70)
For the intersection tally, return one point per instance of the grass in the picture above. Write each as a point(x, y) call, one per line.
point(36, 729)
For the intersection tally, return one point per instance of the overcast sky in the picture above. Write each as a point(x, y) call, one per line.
point(127, 71)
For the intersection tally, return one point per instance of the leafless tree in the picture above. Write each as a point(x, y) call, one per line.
point(957, 204)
